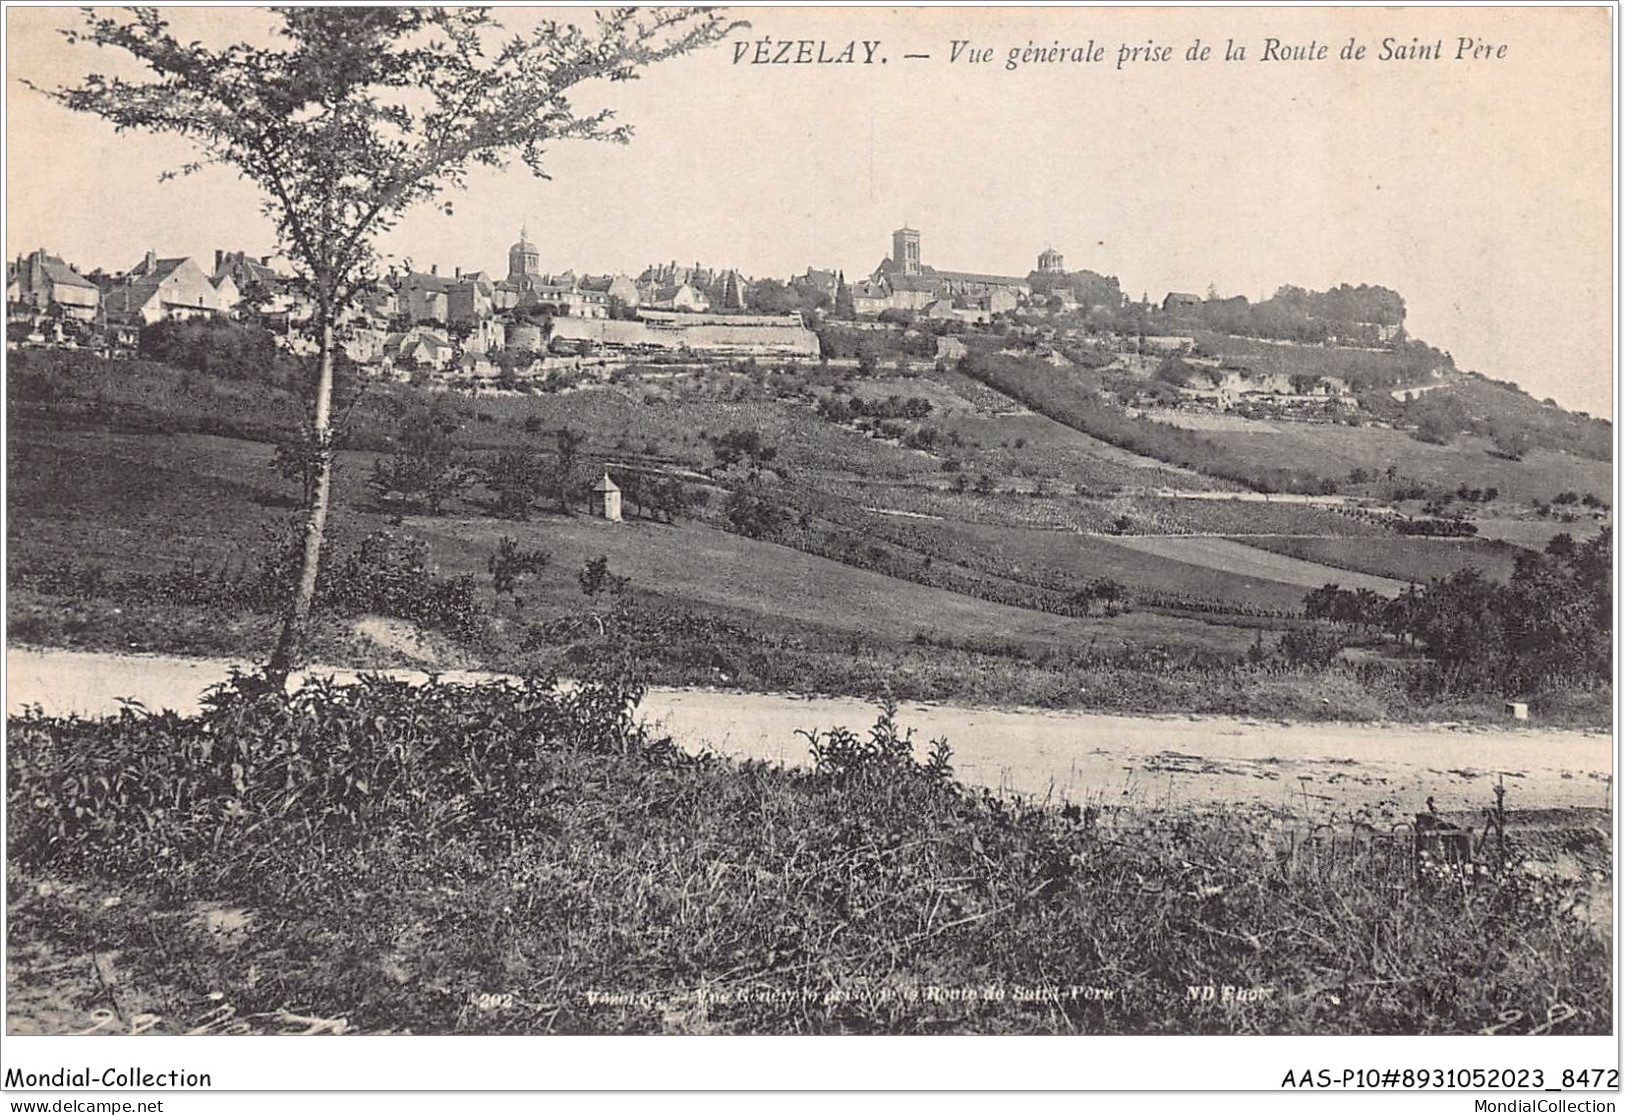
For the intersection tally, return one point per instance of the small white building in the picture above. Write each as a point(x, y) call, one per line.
point(606, 499)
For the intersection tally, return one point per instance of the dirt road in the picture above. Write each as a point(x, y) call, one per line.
point(1379, 769)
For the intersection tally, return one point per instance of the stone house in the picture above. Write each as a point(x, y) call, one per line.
point(470, 298)
point(615, 288)
point(158, 289)
point(681, 296)
point(424, 298)
point(39, 281)
point(419, 347)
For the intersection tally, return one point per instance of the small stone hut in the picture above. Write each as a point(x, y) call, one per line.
point(606, 499)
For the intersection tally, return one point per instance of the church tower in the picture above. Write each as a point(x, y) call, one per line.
point(1050, 262)
point(905, 251)
point(524, 261)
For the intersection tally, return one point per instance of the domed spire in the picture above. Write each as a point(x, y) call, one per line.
point(523, 258)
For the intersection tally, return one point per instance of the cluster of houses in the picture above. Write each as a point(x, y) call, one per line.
point(474, 325)
point(470, 323)
point(470, 318)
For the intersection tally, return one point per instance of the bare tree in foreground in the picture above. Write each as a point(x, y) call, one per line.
point(353, 116)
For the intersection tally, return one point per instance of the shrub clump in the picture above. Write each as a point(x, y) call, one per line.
point(327, 765)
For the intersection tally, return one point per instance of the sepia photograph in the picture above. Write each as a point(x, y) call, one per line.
point(810, 521)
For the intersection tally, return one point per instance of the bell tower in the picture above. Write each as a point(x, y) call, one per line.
point(905, 250)
point(523, 259)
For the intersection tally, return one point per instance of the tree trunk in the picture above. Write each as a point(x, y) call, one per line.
point(290, 644)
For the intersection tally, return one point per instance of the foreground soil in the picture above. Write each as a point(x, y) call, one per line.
point(1377, 772)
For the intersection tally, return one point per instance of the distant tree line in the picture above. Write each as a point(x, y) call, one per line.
point(1089, 288)
point(838, 409)
point(1360, 314)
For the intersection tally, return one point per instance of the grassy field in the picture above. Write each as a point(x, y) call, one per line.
point(1029, 503)
point(1534, 534)
point(985, 431)
point(695, 564)
point(1239, 558)
point(131, 505)
point(1208, 420)
point(1419, 559)
point(117, 506)
point(99, 499)
point(137, 502)
point(943, 399)
point(1081, 558)
point(1335, 451)
point(120, 500)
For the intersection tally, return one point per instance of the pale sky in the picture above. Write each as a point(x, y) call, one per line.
point(1480, 190)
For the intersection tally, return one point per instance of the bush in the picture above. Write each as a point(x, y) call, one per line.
point(754, 516)
point(843, 755)
point(388, 574)
point(231, 350)
point(134, 794)
point(509, 566)
point(1315, 646)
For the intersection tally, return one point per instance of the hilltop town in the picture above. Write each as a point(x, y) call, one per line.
point(469, 328)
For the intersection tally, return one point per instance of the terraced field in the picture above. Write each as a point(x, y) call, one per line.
point(1081, 558)
point(1534, 534)
point(1418, 559)
point(1334, 451)
point(1248, 561)
point(1191, 420)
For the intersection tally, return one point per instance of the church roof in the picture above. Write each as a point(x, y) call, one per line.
point(984, 280)
point(930, 282)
